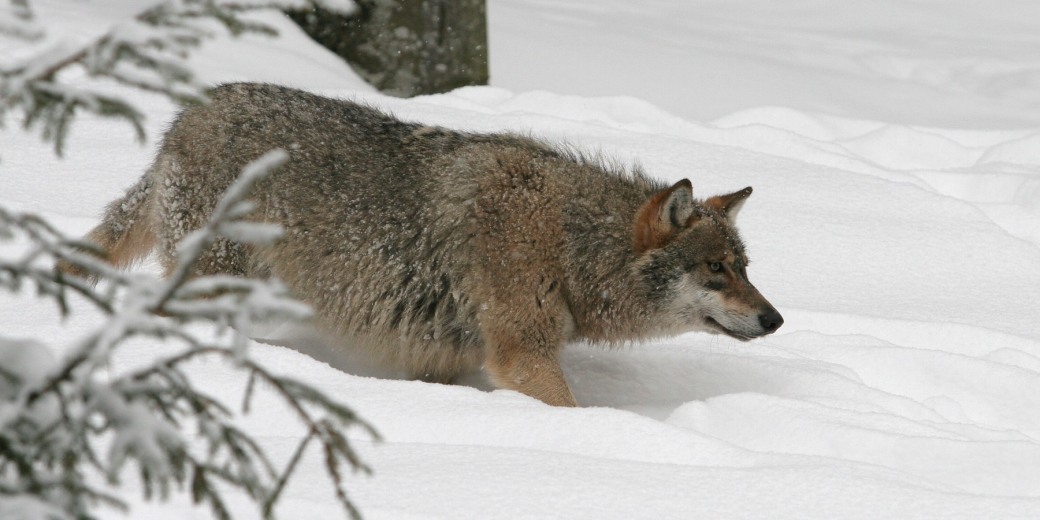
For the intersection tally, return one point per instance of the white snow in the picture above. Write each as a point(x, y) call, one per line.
point(893, 148)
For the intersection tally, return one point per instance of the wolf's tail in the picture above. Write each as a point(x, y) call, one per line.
point(126, 232)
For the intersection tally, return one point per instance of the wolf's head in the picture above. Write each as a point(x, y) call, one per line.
point(693, 264)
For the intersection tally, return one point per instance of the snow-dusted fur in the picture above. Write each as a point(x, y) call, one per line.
point(440, 251)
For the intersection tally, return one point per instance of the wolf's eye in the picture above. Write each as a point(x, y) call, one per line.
point(715, 267)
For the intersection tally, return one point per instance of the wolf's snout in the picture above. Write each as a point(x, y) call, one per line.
point(770, 320)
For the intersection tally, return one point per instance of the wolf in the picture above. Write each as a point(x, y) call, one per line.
point(438, 251)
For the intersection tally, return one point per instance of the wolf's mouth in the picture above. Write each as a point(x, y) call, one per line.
point(733, 334)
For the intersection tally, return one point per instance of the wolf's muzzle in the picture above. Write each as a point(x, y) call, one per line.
point(770, 320)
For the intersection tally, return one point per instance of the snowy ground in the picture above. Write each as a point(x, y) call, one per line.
point(904, 257)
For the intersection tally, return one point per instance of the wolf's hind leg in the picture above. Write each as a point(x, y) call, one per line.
point(223, 257)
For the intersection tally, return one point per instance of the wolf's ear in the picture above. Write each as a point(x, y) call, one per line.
point(729, 205)
point(663, 215)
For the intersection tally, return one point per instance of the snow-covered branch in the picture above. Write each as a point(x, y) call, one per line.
point(67, 424)
point(147, 51)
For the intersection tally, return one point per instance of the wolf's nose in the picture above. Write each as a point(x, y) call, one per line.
point(770, 320)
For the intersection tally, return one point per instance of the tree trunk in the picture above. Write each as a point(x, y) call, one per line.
point(407, 47)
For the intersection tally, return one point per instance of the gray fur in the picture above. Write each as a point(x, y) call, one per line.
point(437, 251)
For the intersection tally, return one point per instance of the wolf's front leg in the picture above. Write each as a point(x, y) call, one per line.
point(537, 374)
point(523, 339)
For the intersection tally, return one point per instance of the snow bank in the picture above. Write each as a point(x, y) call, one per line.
point(956, 63)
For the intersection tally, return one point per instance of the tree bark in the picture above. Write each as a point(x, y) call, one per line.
point(407, 47)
